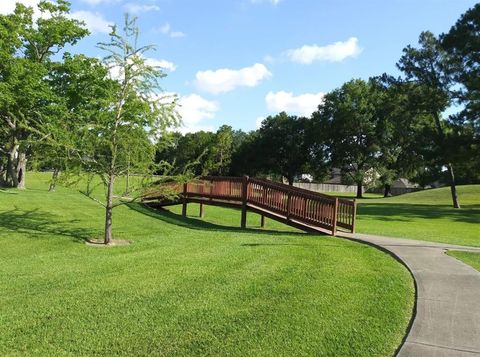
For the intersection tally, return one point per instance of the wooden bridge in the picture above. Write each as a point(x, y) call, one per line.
point(307, 210)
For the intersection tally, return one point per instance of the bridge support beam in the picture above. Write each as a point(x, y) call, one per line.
point(335, 217)
point(202, 211)
point(262, 221)
point(184, 201)
point(243, 222)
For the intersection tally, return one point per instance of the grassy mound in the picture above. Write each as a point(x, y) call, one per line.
point(185, 286)
point(425, 215)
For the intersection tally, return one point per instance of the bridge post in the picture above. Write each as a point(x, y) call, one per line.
point(184, 205)
point(289, 205)
point(354, 215)
point(262, 221)
point(243, 222)
point(335, 215)
point(202, 211)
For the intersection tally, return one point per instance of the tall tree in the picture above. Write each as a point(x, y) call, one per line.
point(26, 52)
point(79, 86)
point(463, 47)
point(349, 117)
point(400, 131)
point(126, 115)
point(246, 159)
point(427, 67)
point(221, 151)
point(282, 146)
point(192, 151)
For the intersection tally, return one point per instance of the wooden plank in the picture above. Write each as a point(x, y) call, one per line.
point(229, 204)
point(243, 222)
point(354, 215)
point(302, 226)
point(335, 214)
point(184, 206)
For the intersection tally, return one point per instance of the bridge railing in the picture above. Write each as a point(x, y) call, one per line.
point(293, 203)
point(215, 187)
point(347, 214)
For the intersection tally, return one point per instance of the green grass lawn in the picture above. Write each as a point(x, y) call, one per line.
point(187, 286)
point(425, 215)
point(470, 258)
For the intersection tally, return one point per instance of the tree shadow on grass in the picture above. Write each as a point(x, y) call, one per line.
point(191, 223)
point(36, 223)
point(197, 224)
point(398, 212)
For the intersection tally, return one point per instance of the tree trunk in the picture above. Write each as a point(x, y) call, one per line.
point(359, 190)
point(3, 178)
point(451, 175)
point(21, 170)
point(387, 190)
point(53, 182)
point(12, 178)
point(453, 188)
point(127, 180)
point(108, 210)
point(127, 184)
point(290, 180)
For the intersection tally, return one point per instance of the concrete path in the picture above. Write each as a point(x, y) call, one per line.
point(447, 320)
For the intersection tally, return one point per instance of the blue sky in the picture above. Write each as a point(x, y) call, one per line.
point(235, 61)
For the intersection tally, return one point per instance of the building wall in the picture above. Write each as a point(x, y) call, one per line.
point(325, 187)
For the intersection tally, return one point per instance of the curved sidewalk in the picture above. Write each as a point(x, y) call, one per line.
point(447, 320)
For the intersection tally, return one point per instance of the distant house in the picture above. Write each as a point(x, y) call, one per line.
point(335, 177)
point(404, 183)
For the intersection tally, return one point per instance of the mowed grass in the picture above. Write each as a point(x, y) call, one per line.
point(424, 215)
point(470, 258)
point(187, 286)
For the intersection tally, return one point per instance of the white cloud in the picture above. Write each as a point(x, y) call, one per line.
point(304, 104)
point(269, 59)
point(162, 63)
point(93, 20)
point(96, 2)
point(166, 29)
point(176, 34)
point(225, 80)
point(335, 52)
point(137, 8)
point(117, 74)
point(258, 122)
point(194, 110)
point(273, 2)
